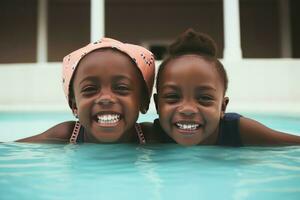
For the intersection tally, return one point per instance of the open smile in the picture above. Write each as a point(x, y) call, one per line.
point(188, 128)
point(108, 119)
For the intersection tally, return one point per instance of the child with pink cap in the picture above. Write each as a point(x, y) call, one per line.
point(107, 84)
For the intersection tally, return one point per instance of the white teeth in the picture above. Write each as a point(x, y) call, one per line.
point(108, 118)
point(189, 127)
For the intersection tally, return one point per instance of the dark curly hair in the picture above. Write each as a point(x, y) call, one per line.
point(192, 42)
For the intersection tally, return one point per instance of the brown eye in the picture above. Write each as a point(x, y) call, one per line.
point(122, 89)
point(205, 99)
point(89, 90)
point(171, 97)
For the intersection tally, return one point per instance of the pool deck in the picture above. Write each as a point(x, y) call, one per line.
point(255, 86)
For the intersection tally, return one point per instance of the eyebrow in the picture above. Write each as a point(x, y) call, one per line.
point(115, 78)
point(171, 86)
point(202, 87)
point(122, 77)
point(206, 87)
point(88, 78)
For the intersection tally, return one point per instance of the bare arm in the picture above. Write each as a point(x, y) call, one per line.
point(59, 133)
point(254, 133)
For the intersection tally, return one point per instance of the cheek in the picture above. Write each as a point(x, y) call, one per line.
point(132, 104)
point(213, 116)
point(160, 108)
point(165, 108)
point(165, 114)
point(81, 102)
point(137, 99)
point(83, 105)
point(83, 110)
point(218, 110)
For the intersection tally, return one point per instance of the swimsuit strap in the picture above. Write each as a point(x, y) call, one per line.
point(75, 133)
point(77, 126)
point(139, 131)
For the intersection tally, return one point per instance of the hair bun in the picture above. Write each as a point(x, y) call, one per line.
point(193, 42)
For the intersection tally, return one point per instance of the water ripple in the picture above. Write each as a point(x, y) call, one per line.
point(158, 171)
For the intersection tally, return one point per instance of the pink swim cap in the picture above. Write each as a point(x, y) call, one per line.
point(143, 59)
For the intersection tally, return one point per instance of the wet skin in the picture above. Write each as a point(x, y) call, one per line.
point(190, 100)
point(107, 96)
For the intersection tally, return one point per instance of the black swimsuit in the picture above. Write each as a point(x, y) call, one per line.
point(229, 133)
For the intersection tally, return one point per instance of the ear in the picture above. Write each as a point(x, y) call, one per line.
point(224, 106)
point(74, 107)
point(155, 102)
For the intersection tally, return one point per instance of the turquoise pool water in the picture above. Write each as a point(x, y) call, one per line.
point(92, 171)
point(16, 125)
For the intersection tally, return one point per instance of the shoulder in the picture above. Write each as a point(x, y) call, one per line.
point(231, 116)
point(59, 133)
point(229, 133)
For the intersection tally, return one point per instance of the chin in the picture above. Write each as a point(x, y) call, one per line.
point(111, 139)
point(188, 141)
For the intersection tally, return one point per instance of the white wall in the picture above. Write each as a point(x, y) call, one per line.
point(264, 85)
point(31, 87)
point(255, 85)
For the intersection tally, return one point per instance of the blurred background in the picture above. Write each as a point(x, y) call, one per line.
point(258, 43)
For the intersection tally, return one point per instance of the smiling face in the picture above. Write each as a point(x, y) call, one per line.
point(190, 100)
point(107, 95)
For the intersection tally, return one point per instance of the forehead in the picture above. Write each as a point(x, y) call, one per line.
point(106, 62)
point(190, 68)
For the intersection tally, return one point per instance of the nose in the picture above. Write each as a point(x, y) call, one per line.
point(105, 98)
point(187, 109)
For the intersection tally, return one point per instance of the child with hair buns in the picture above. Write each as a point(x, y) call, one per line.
point(191, 100)
point(107, 84)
